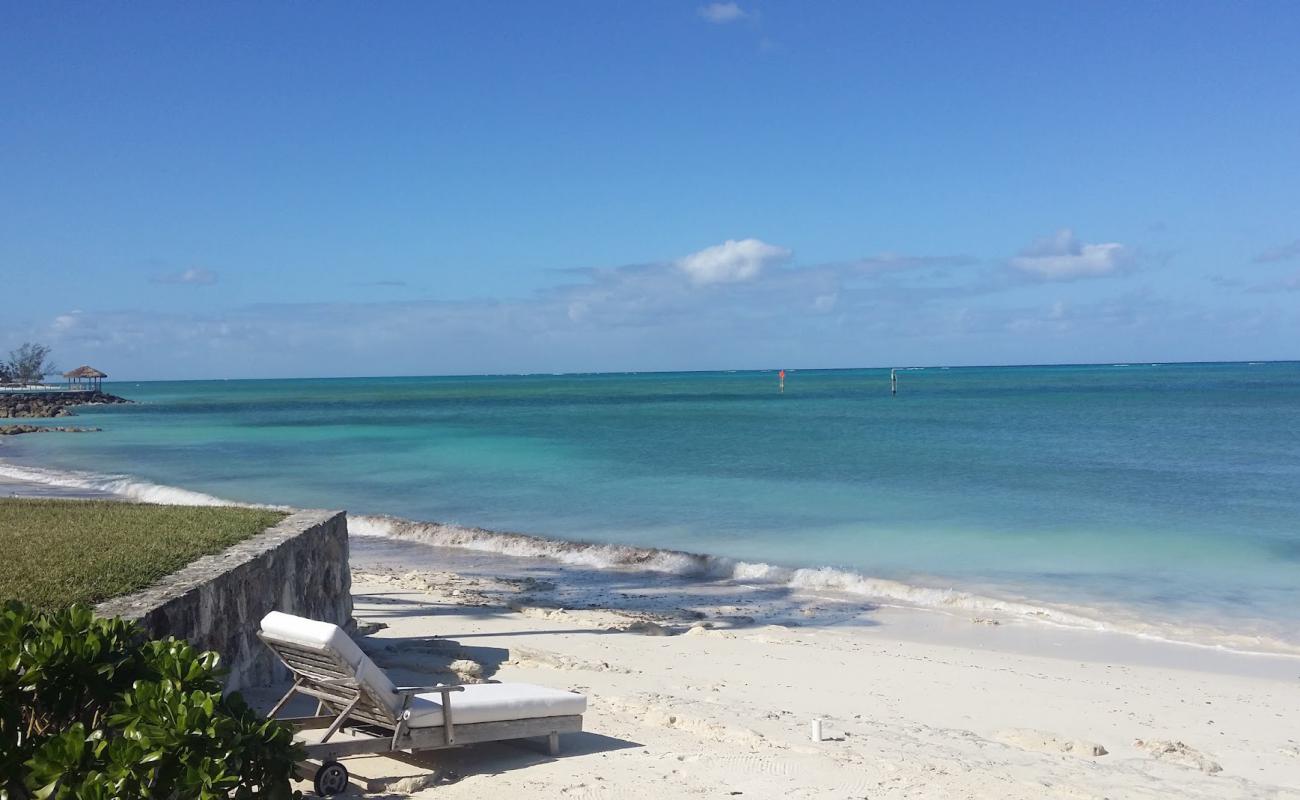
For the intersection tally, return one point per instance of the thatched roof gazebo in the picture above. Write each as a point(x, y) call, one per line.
point(85, 379)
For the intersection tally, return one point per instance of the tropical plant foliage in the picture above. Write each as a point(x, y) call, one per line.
point(89, 709)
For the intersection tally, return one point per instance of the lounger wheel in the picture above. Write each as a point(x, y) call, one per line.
point(331, 779)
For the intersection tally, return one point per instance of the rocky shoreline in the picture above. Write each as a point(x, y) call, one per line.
point(14, 430)
point(46, 405)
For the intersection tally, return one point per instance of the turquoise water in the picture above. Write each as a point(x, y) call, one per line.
point(1167, 492)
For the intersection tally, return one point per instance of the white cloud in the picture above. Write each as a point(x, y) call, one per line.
point(196, 276)
point(66, 322)
point(722, 13)
point(732, 261)
point(1062, 257)
point(736, 304)
point(654, 316)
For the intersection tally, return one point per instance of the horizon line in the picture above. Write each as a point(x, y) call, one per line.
point(1116, 364)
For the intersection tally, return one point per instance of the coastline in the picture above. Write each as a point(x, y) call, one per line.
point(727, 710)
point(707, 688)
point(852, 593)
point(1068, 521)
point(17, 487)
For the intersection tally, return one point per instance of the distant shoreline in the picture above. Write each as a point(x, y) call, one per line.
point(1133, 363)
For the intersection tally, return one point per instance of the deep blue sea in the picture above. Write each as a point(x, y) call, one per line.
point(1164, 498)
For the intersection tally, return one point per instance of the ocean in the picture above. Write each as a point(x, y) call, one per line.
point(1157, 499)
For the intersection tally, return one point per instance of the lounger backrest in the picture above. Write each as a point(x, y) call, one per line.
point(322, 651)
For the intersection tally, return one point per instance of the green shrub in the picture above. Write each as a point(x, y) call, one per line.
point(91, 710)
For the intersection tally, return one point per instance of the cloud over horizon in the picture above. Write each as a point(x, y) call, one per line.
point(737, 304)
point(733, 261)
point(194, 276)
point(1063, 257)
point(722, 13)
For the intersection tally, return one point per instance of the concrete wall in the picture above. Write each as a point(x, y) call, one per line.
point(300, 566)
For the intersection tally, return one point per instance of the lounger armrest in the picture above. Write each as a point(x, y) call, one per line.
point(408, 693)
point(422, 689)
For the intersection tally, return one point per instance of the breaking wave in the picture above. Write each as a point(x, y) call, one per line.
point(594, 555)
point(119, 485)
point(578, 554)
point(832, 580)
point(696, 565)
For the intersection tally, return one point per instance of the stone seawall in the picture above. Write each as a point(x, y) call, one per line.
point(300, 566)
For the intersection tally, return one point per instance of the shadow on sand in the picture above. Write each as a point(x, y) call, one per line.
point(496, 758)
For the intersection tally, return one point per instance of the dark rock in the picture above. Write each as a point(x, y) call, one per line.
point(51, 404)
point(14, 430)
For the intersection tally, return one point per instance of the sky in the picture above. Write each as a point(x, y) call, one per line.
point(317, 189)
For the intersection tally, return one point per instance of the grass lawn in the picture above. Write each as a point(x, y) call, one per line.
point(54, 553)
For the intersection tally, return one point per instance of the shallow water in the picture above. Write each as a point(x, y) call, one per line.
point(1129, 494)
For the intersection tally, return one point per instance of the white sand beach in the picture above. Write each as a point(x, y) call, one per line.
point(724, 708)
point(694, 691)
point(848, 400)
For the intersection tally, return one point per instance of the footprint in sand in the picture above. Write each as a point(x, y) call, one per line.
point(659, 712)
point(751, 765)
point(1047, 742)
point(602, 791)
point(842, 781)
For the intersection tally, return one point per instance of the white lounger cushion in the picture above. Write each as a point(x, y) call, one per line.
point(328, 636)
point(495, 702)
point(483, 702)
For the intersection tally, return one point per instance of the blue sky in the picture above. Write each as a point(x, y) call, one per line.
point(225, 190)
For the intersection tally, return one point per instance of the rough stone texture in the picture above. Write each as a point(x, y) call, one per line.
point(15, 430)
point(53, 403)
point(300, 566)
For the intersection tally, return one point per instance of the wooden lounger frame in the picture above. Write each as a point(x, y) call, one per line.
point(342, 701)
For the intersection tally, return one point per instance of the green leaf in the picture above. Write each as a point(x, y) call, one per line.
point(127, 717)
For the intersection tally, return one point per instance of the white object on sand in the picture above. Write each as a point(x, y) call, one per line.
point(817, 729)
point(328, 666)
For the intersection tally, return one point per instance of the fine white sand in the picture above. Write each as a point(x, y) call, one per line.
point(695, 693)
point(914, 705)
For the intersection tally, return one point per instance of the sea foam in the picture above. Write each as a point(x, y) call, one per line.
point(841, 583)
point(697, 565)
point(600, 556)
point(119, 485)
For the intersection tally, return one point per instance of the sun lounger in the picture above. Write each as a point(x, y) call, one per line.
point(356, 696)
